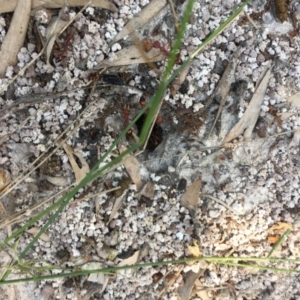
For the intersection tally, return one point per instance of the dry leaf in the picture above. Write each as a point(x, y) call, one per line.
point(190, 198)
point(100, 278)
point(136, 257)
point(148, 190)
point(177, 83)
point(200, 290)
point(272, 239)
point(14, 39)
point(189, 280)
point(142, 18)
point(80, 173)
point(249, 119)
point(5, 178)
point(294, 100)
point(35, 230)
point(194, 249)
point(134, 168)
point(286, 115)
point(57, 181)
point(132, 55)
point(53, 30)
point(9, 5)
point(117, 205)
point(279, 227)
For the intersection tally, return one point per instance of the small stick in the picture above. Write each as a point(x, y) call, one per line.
point(220, 202)
point(153, 121)
point(171, 4)
point(223, 88)
point(22, 71)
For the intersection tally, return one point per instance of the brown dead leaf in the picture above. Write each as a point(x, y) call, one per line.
point(189, 280)
point(190, 198)
point(53, 31)
point(200, 290)
point(80, 173)
point(136, 257)
point(5, 178)
point(100, 278)
point(116, 207)
point(148, 190)
point(142, 18)
point(272, 239)
point(14, 39)
point(279, 227)
point(35, 230)
point(57, 180)
point(134, 168)
point(286, 115)
point(132, 55)
point(194, 249)
point(147, 45)
point(9, 6)
point(294, 100)
point(248, 121)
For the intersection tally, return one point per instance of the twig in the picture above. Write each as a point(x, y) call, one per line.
point(176, 23)
point(32, 166)
point(249, 118)
point(220, 202)
point(169, 284)
point(22, 71)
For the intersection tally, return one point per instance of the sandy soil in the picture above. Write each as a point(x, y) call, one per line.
point(232, 200)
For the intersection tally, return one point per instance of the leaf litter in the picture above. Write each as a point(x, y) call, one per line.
point(240, 177)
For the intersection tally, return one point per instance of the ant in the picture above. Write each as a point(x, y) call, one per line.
point(148, 44)
point(63, 51)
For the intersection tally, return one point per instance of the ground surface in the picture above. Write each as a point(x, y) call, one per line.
point(258, 179)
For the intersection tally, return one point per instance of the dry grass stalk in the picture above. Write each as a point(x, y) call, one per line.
point(22, 71)
point(15, 36)
point(9, 5)
point(43, 158)
point(248, 120)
